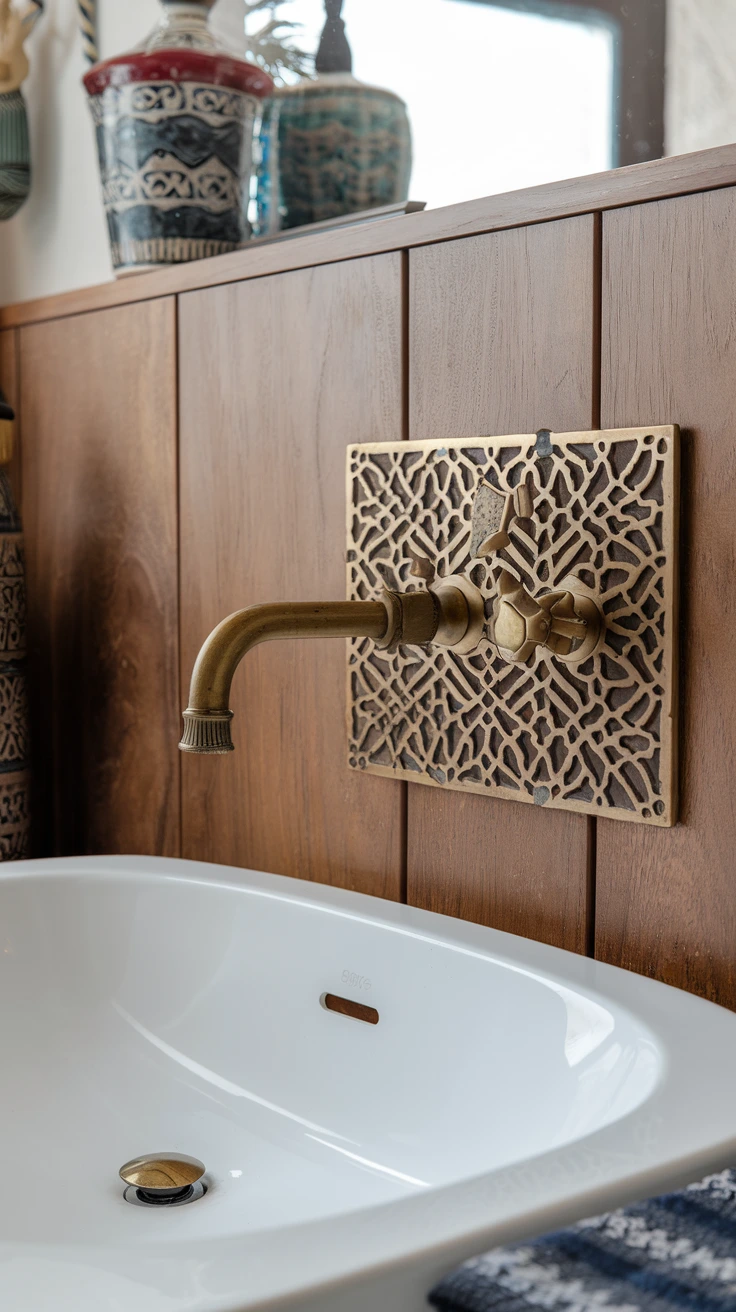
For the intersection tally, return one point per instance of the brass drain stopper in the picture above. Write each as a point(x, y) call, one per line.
point(163, 1177)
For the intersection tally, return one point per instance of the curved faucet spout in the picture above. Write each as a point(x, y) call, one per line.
point(208, 715)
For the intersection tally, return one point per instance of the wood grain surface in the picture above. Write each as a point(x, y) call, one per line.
point(503, 340)
point(667, 899)
point(98, 399)
point(672, 176)
point(277, 377)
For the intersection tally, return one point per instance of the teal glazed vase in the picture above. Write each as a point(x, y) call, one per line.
point(343, 147)
point(15, 153)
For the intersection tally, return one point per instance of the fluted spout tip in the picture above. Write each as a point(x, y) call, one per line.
point(207, 731)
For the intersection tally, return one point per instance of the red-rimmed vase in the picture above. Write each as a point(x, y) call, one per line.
point(174, 121)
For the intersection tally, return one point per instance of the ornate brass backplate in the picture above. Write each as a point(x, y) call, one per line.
point(599, 508)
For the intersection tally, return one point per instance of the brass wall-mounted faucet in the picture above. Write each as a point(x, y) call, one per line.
point(568, 543)
point(450, 614)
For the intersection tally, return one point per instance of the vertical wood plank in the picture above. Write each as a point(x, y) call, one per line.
point(503, 339)
point(98, 400)
point(667, 898)
point(277, 376)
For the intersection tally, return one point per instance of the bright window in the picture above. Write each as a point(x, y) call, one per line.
point(498, 98)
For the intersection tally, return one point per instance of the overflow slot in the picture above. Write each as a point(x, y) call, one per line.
point(346, 1007)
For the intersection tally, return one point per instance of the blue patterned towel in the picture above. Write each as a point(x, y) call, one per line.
point(676, 1253)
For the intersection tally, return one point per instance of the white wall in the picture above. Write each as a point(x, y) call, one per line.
point(701, 74)
point(58, 240)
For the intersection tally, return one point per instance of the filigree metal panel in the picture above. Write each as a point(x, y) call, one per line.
point(597, 737)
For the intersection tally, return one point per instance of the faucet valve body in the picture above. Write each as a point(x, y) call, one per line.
point(568, 623)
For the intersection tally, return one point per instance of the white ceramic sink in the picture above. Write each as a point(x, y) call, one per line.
point(151, 1005)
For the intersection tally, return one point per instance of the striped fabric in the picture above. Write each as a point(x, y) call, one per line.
point(15, 153)
point(14, 145)
point(670, 1254)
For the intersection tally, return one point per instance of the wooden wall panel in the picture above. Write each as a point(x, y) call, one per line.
point(98, 400)
point(277, 377)
point(667, 898)
point(503, 339)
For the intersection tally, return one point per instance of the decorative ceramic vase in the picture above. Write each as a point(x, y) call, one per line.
point(342, 146)
point(174, 122)
point(15, 776)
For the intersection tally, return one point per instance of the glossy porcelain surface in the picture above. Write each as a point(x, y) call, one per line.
point(164, 1006)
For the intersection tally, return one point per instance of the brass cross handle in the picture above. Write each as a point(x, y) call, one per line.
point(568, 623)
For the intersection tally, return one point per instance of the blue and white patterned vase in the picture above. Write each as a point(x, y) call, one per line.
point(174, 124)
point(15, 153)
point(342, 146)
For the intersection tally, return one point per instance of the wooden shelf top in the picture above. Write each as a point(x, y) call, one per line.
point(676, 175)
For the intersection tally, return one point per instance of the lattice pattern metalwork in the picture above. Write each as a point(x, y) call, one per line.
point(597, 738)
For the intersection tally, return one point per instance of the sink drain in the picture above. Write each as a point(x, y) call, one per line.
point(163, 1180)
